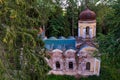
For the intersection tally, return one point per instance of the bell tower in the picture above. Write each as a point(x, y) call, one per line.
point(87, 24)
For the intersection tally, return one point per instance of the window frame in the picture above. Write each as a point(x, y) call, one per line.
point(88, 66)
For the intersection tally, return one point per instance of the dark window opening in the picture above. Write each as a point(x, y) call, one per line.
point(70, 65)
point(57, 65)
point(88, 66)
point(87, 30)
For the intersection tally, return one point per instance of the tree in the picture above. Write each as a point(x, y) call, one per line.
point(110, 43)
point(72, 15)
point(46, 7)
point(21, 55)
point(58, 24)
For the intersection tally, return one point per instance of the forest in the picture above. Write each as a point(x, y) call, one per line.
point(22, 52)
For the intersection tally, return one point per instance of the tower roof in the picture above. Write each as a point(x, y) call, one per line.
point(87, 15)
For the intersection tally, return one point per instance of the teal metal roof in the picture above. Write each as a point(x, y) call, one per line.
point(61, 37)
point(71, 37)
point(60, 43)
point(53, 38)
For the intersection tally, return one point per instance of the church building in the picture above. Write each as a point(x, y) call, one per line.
point(75, 55)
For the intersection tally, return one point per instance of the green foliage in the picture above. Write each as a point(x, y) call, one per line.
point(21, 54)
point(63, 22)
point(55, 77)
point(58, 24)
point(110, 44)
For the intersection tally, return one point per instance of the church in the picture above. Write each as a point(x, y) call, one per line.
point(75, 55)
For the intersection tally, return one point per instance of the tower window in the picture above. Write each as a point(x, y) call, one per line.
point(70, 65)
point(87, 30)
point(88, 66)
point(57, 65)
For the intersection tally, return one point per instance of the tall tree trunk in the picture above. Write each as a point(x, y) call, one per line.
point(73, 25)
point(72, 22)
point(86, 3)
point(44, 29)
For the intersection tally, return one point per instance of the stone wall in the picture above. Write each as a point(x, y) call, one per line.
point(68, 63)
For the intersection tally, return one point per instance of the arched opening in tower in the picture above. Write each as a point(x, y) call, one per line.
point(87, 30)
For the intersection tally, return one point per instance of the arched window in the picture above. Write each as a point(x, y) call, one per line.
point(88, 66)
point(57, 65)
point(70, 65)
point(87, 30)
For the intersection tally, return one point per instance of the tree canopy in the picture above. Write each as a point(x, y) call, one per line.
point(22, 52)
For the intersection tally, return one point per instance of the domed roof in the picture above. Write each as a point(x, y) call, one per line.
point(61, 37)
point(71, 37)
point(87, 15)
point(53, 38)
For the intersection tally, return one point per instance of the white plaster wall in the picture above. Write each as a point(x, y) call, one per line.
point(67, 64)
point(83, 24)
point(97, 67)
point(61, 63)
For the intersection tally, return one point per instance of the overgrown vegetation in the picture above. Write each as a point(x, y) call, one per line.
point(22, 53)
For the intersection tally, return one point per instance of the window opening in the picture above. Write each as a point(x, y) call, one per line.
point(70, 65)
point(88, 66)
point(57, 65)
